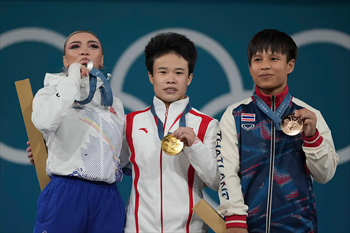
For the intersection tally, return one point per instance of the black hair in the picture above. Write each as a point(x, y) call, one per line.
point(76, 32)
point(170, 42)
point(278, 42)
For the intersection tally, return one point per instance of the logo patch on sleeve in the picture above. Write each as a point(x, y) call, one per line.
point(111, 109)
point(248, 117)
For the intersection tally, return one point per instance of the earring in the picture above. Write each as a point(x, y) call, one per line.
point(102, 68)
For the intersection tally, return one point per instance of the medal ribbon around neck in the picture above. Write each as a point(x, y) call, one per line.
point(105, 89)
point(182, 122)
point(274, 116)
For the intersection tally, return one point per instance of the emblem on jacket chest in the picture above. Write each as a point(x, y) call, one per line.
point(248, 126)
point(247, 117)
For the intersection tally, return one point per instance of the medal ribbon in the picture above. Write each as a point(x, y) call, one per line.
point(182, 122)
point(274, 116)
point(105, 89)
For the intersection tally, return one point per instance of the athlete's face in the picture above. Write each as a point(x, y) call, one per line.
point(170, 78)
point(82, 48)
point(270, 71)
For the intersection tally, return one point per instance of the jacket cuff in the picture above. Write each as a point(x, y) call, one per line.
point(236, 221)
point(197, 142)
point(313, 141)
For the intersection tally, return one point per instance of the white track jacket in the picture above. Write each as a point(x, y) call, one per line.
point(165, 188)
point(82, 142)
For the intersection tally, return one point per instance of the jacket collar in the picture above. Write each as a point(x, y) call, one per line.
point(56, 78)
point(268, 98)
point(174, 110)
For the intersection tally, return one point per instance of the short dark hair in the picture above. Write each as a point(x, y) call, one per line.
point(80, 31)
point(278, 42)
point(170, 42)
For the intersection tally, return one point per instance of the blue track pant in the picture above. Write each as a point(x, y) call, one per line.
point(70, 204)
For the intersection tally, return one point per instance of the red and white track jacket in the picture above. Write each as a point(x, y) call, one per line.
point(165, 188)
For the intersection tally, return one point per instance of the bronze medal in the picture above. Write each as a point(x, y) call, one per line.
point(171, 145)
point(291, 125)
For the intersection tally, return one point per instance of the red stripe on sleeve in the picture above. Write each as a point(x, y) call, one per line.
point(129, 127)
point(190, 174)
point(236, 221)
point(313, 141)
point(204, 124)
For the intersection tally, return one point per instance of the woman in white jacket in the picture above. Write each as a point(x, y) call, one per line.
point(84, 137)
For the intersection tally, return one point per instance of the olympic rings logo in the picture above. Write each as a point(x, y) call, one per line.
point(121, 69)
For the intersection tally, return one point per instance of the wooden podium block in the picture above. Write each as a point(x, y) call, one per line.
point(25, 96)
point(210, 216)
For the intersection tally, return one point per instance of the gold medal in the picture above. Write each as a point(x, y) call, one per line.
point(291, 125)
point(171, 145)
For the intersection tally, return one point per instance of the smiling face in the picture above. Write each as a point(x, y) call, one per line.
point(270, 71)
point(170, 78)
point(81, 48)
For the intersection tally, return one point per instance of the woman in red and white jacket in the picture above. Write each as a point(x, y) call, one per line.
point(165, 188)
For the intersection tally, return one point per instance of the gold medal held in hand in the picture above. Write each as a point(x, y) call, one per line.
point(291, 125)
point(171, 145)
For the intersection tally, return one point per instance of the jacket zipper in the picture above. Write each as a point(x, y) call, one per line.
point(272, 165)
point(166, 112)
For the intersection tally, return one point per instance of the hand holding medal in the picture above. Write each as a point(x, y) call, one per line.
point(173, 144)
point(105, 89)
point(85, 68)
point(299, 121)
point(309, 121)
point(84, 71)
